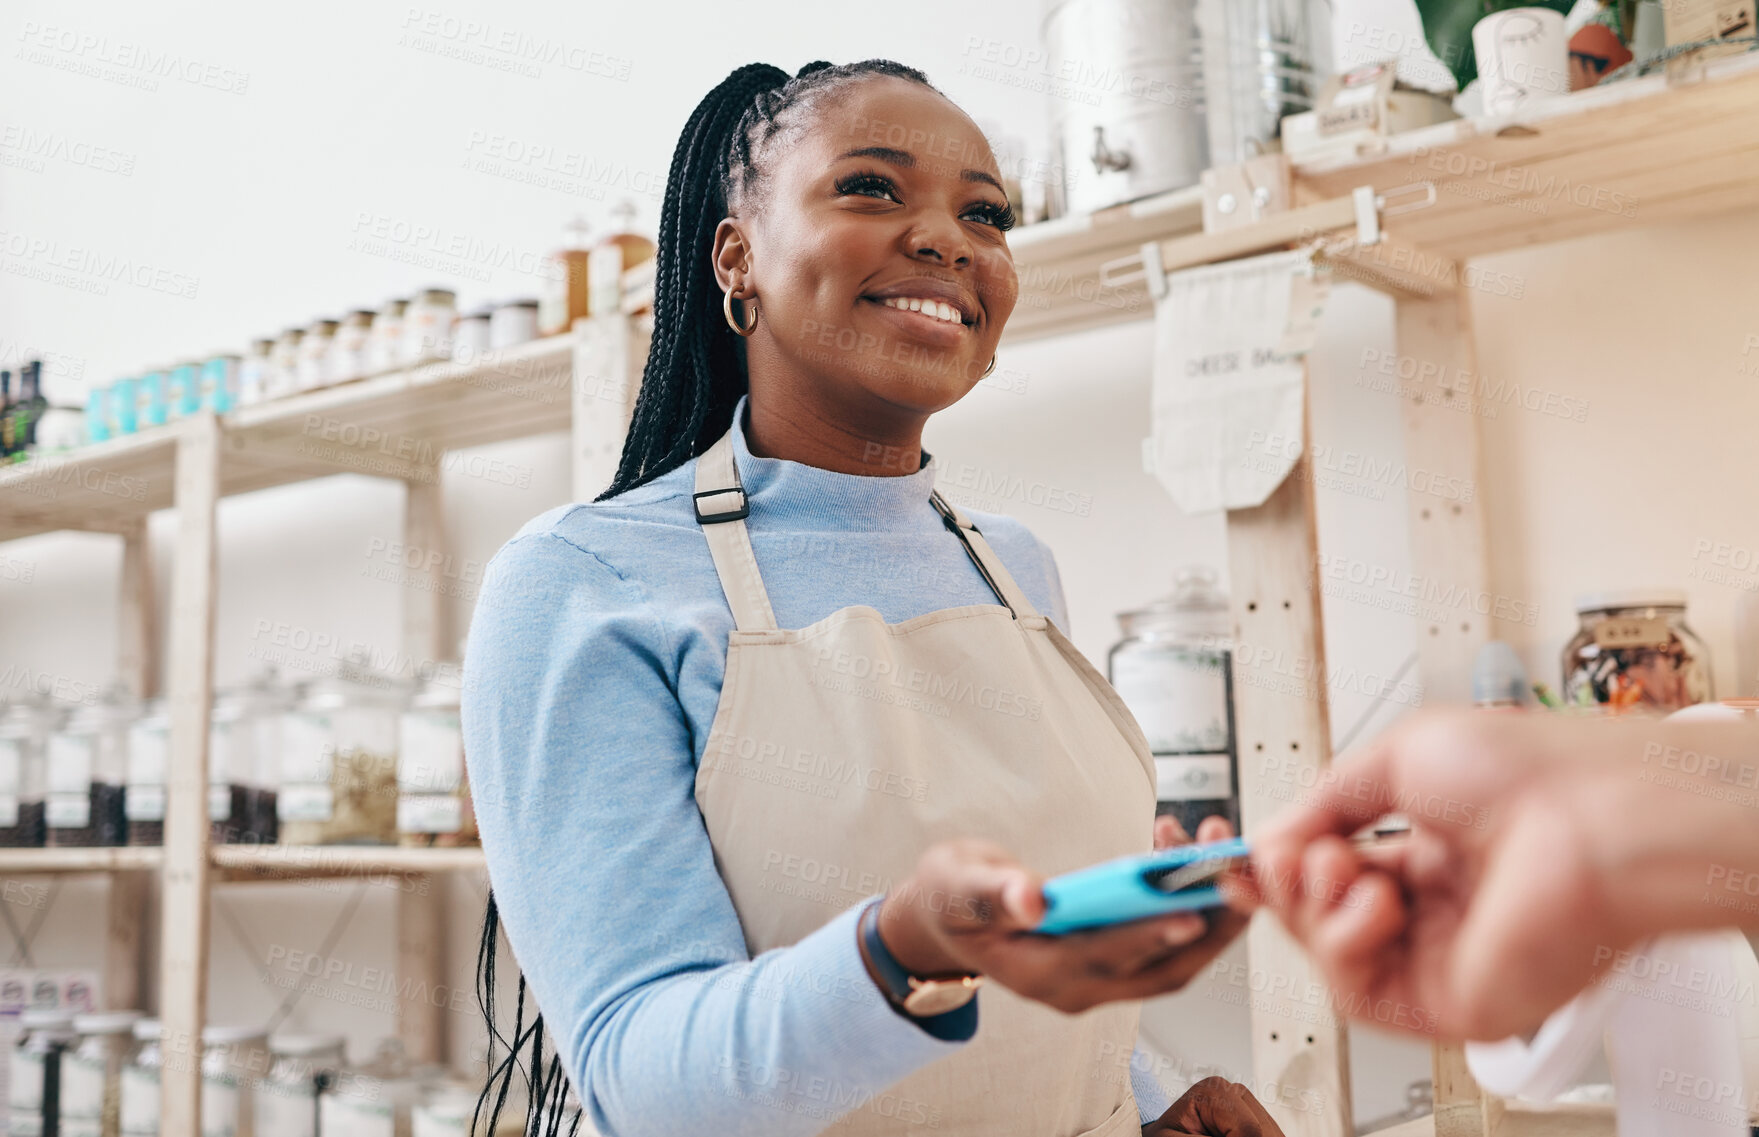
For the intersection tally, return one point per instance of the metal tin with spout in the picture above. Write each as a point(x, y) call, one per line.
point(1124, 79)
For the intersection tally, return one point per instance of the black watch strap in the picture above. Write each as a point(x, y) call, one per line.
point(955, 1025)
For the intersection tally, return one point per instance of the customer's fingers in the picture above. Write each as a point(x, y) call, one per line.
point(1213, 828)
point(1351, 941)
point(1168, 832)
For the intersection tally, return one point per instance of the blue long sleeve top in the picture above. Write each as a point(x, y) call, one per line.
point(594, 667)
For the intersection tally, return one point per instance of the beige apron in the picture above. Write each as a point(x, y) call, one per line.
point(841, 751)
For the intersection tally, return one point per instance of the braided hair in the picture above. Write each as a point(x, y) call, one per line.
point(695, 375)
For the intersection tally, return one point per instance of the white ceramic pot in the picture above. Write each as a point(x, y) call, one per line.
point(1523, 54)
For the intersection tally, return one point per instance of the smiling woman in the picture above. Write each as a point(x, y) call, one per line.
point(761, 824)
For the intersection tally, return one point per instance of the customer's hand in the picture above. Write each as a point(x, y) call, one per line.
point(1215, 1107)
point(970, 906)
point(1541, 845)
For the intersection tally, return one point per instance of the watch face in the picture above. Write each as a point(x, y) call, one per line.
point(938, 996)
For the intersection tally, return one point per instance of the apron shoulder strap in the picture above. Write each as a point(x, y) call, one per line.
point(721, 510)
point(995, 574)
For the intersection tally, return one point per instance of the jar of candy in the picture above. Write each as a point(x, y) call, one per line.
point(1173, 671)
point(1634, 653)
point(301, 1068)
point(91, 1075)
point(33, 1089)
point(24, 738)
point(139, 1100)
point(88, 763)
point(149, 749)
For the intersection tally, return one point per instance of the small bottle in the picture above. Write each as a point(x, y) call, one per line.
point(124, 406)
point(88, 759)
point(427, 326)
point(219, 383)
point(470, 336)
point(185, 389)
point(232, 1058)
point(253, 372)
point(567, 292)
point(385, 348)
point(284, 374)
point(433, 803)
point(351, 346)
point(619, 252)
point(1498, 679)
point(98, 414)
point(232, 768)
point(32, 399)
point(313, 367)
point(6, 446)
point(513, 323)
point(152, 398)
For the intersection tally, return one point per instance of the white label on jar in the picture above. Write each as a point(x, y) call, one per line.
point(1180, 699)
point(70, 763)
point(219, 1107)
point(67, 811)
point(430, 752)
point(147, 748)
point(219, 802)
point(307, 746)
point(8, 810)
point(285, 1111)
point(25, 1089)
point(430, 813)
point(356, 1117)
point(140, 1101)
point(1192, 777)
point(11, 763)
point(144, 803)
point(441, 1121)
point(1613, 633)
point(82, 1090)
point(305, 801)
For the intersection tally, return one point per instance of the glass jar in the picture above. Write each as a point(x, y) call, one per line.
point(153, 398)
point(232, 767)
point(615, 255)
point(339, 760)
point(87, 766)
point(375, 1099)
point(185, 389)
point(313, 368)
point(91, 1075)
point(124, 406)
point(284, 363)
point(253, 372)
point(1634, 653)
point(301, 1067)
point(35, 1070)
point(1173, 669)
point(349, 349)
point(272, 700)
point(513, 323)
point(433, 792)
point(385, 348)
point(138, 1109)
point(149, 749)
point(446, 1109)
point(24, 738)
point(220, 383)
point(427, 326)
point(232, 1058)
point(470, 336)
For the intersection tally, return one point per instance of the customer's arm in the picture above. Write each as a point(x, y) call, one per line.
point(1542, 846)
point(582, 771)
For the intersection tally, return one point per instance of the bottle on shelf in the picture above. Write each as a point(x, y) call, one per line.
point(385, 347)
point(34, 402)
point(621, 250)
point(427, 326)
point(24, 738)
point(5, 415)
point(567, 292)
point(87, 769)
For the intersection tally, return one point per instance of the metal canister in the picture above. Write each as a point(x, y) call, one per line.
point(1257, 68)
point(1125, 82)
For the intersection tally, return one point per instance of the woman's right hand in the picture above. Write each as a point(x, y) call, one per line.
point(970, 906)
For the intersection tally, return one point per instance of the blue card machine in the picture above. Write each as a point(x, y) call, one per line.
point(1179, 879)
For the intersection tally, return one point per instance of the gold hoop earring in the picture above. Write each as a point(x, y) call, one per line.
point(727, 308)
point(987, 370)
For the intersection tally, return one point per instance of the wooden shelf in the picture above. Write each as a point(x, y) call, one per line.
point(401, 424)
point(310, 862)
point(24, 862)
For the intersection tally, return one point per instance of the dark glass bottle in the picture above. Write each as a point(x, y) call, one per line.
point(33, 402)
point(5, 415)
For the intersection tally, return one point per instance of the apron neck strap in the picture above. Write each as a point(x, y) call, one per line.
point(721, 509)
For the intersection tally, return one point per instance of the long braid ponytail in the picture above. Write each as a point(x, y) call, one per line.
point(695, 375)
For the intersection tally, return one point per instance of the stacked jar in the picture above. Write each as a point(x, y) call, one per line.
point(433, 803)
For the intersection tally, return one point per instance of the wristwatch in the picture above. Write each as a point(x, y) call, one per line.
point(918, 997)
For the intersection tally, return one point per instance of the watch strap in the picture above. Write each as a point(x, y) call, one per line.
point(955, 1025)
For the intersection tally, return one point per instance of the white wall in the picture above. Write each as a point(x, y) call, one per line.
point(345, 123)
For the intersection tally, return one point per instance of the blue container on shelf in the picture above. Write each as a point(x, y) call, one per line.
point(185, 390)
point(152, 402)
point(124, 408)
point(219, 383)
point(98, 415)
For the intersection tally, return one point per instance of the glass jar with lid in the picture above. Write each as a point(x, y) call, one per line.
point(427, 326)
point(385, 347)
point(1634, 653)
point(149, 749)
point(87, 766)
point(1173, 669)
point(233, 1057)
point(24, 738)
point(253, 372)
point(138, 1112)
point(470, 335)
point(272, 699)
point(33, 1088)
point(350, 349)
point(243, 741)
point(313, 368)
point(301, 1067)
point(91, 1074)
point(512, 323)
point(374, 1099)
point(433, 802)
point(339, 759)
point(284, 363)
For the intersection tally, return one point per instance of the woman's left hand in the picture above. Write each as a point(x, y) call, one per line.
point(1215, 1107)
